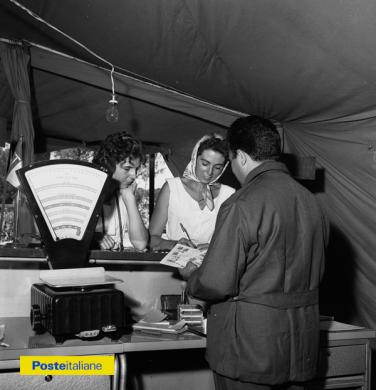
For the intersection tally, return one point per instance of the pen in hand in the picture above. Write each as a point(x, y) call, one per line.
point(187, 234)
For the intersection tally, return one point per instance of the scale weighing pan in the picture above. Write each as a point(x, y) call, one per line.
point(77, 277)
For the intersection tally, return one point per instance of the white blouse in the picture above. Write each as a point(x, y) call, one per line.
point(184, 209)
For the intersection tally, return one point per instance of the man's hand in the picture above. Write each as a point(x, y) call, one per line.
point(187, 270)
point(203, 247)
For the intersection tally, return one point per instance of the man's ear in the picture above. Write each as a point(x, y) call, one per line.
point(242, 157)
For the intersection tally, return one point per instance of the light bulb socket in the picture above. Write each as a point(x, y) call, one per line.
point(113, 100)
point(112, 112)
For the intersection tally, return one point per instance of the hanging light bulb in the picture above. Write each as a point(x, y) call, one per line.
point(112, 112)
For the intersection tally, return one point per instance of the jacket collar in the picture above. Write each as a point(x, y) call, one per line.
point(269, 165)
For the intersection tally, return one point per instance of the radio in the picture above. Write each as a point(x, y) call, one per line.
point(82, 312)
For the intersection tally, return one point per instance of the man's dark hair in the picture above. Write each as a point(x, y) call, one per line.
point(117, 148)
point(214, 143)
point(256, 136)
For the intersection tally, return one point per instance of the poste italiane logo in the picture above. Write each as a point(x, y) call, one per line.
point(67, 365)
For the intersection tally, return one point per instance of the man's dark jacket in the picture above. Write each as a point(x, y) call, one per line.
point(261, 274)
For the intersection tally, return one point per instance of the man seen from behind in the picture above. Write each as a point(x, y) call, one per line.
point(262, 271)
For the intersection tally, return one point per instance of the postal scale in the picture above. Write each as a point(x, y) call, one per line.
point(73, 300)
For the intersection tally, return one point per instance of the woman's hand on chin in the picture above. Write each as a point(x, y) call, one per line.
point(128, 188)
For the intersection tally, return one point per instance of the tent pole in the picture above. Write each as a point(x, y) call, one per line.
point(151, 183)
point(16, 214)
point(3, 196)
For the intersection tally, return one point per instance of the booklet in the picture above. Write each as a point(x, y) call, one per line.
point(174, 327)
point(181, 254)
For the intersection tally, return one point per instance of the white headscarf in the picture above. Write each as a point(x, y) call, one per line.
point(204, 189)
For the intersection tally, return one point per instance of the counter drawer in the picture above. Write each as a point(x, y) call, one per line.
point(342, 360)
point(13, 380)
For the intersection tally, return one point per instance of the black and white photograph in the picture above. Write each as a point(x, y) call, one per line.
point(187, 194)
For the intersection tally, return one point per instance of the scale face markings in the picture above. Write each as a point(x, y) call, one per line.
point(66, 195)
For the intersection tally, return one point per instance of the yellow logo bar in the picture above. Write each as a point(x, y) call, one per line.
point(67, 365)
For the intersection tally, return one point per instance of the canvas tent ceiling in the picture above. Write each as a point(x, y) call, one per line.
point(71, 97)
point(242, 57)
point(307, 64)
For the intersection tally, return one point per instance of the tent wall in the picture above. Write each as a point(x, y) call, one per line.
point(347, 155)
point(307, 64)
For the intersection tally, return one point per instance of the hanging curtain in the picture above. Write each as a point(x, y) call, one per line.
point(15, 60)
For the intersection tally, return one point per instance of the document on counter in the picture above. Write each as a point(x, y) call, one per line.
point(161, 327)
point(181, 254)
point(335, 326)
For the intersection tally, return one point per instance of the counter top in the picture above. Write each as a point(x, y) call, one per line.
point(18, 256)
point(22, 340)
point(34, 253)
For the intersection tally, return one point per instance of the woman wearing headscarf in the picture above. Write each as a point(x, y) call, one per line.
point(191, 203)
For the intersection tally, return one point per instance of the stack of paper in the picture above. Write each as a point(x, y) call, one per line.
point(161, 327)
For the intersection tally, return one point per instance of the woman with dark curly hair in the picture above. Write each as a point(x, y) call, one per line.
point(192, 202)
point(120, 155)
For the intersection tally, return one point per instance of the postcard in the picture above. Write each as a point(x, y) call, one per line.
point(181, 254)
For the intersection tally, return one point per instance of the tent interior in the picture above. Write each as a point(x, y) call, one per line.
point(183, 69)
